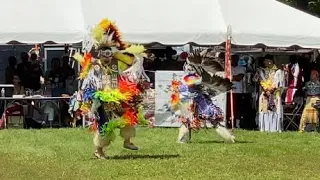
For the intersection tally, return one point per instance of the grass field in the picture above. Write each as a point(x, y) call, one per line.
point(67, 154)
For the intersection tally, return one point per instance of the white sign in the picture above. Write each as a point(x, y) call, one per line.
point(163, 115)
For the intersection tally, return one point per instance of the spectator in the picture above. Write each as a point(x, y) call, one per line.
point(34, 74)
point(18, 88)
point(11, 69)
point(23, 67)
point(66, 70)
point(54, 78)
point(310, 115)
point(238, 73)
point(171, 64)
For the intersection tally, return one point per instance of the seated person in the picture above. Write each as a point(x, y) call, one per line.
point(310, 114)
point(18, 88)
point(54, 78)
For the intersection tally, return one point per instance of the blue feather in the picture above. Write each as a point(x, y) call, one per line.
point(88, 94)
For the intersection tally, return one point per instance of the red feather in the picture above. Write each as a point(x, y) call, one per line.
point(125, 86)
point(87, 59)
point(131, 117)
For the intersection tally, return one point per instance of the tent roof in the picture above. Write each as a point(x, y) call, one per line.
point(205, 22)
point(173, 22)
point(271, 23)
point(36, 21)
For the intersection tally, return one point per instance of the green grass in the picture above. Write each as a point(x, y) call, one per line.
point(68, 154)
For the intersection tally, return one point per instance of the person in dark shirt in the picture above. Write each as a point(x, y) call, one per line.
point(66, 70)
point(22, 68)
point(11, 69)
point(54, 78)
point(34, 73)
point(170, 64)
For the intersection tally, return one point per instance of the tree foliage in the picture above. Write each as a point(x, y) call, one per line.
point(309, 6)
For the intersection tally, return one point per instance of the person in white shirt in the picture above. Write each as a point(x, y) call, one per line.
point(238, 73)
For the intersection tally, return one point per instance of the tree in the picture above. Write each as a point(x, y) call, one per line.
point(308, 6)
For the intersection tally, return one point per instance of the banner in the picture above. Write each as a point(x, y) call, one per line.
point(163, 115)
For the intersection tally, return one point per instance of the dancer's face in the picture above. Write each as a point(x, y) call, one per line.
point(105, 56)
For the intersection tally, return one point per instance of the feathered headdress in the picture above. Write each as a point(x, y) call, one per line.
point(207, 68)
point(107, 34)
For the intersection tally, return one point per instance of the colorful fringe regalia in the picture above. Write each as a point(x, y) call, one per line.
point(191, 95)
point(110, 95)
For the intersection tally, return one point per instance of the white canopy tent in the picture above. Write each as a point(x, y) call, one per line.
point(39, 21)
point(173, 22)
point(205, 22)
point(271, 23)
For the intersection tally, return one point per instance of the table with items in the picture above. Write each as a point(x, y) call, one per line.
point(37, 102)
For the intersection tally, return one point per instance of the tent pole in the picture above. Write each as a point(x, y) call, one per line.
point(228, 72)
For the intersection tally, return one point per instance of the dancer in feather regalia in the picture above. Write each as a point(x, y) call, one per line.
point(191, 96)
point(111, 91)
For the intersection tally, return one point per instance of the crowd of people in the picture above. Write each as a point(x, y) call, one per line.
point(277, 85)
point(29, 75)
point(29, 78)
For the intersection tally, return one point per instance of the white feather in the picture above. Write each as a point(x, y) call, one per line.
point(177, 113)
point(136, 71)
point(225, 134)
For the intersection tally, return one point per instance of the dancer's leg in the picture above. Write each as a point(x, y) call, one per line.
point(127, 133)
point(100, 142)
point(225, 133)
point(183, 136)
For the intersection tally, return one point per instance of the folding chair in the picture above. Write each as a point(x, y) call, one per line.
point(14, 116)
point(292, 114)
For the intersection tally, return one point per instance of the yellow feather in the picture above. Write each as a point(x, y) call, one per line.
point(105, 23)
point(84, 72)
point(77, 56)
point(97, 33)
point(122, 66)
point(122, 57)
point(135, 49)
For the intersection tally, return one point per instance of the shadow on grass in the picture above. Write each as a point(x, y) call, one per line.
point(136, 156)
point(222, 142)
